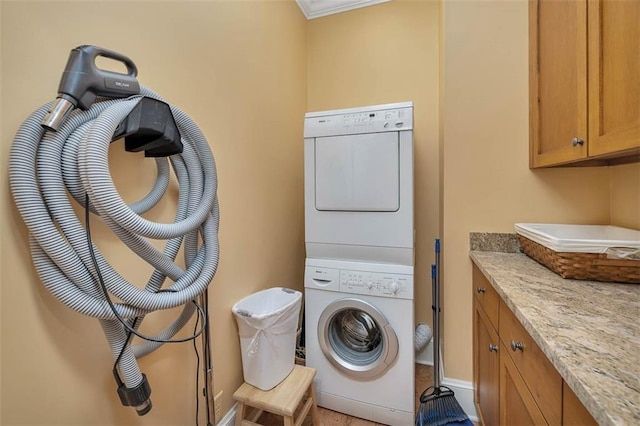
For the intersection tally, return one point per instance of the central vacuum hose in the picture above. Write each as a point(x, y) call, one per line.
point(43, 166)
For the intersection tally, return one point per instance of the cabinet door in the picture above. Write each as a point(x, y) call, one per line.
point(558, 81)
point(614, 76)
point(542, 379)
point(573, 412)
point(486, 368)
point(517, 406)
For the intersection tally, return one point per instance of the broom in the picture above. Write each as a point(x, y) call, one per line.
point(438, 404)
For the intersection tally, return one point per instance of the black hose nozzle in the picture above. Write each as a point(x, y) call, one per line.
point(82, 82)
point(138, 397)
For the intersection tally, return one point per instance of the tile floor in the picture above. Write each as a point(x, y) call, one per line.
point(424, 379)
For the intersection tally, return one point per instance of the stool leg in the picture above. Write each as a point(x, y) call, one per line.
point(315, 417)
point(240, 413)
point(288, 421)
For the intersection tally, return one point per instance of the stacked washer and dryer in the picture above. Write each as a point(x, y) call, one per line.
point(359, 236)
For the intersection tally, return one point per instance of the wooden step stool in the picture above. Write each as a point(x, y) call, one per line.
point(281, 400)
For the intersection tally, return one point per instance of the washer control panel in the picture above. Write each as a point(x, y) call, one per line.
point(377, 284)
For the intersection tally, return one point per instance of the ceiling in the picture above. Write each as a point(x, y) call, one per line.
point(317, 8)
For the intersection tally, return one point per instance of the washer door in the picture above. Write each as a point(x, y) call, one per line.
point(356, 338)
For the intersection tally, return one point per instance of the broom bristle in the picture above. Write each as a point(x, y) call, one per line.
point(440, 410)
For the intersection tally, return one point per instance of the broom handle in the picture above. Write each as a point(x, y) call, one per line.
point(436, 318)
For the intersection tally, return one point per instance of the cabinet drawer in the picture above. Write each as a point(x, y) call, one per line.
point(544, 382)
point(486, 296)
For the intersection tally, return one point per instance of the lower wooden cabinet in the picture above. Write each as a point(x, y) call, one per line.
point(514, 382)
point(542, 379)
point(573, 412)
point(487, 374)
point(517, 406)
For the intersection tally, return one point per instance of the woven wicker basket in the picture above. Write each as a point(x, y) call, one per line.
point(583, 266)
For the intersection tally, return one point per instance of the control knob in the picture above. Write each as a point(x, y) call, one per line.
point(394, 288)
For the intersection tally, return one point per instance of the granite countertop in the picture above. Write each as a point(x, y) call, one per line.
point(589, 330)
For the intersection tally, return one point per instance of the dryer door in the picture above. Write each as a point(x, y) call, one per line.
point(358, 172)
point(356, 338)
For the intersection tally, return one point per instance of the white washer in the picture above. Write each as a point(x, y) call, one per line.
point(358, 179)
point(359, 338)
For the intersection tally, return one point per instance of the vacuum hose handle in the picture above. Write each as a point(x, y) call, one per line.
point(82, 82)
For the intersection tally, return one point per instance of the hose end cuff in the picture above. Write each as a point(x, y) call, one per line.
point(137, 397)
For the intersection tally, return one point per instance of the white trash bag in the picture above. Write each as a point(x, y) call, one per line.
point(267, 325)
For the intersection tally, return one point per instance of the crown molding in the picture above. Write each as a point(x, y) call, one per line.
point(317, 8)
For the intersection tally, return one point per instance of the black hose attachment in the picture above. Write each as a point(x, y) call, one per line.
point(138, 397)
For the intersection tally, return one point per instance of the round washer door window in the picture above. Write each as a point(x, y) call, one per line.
point(356, 338)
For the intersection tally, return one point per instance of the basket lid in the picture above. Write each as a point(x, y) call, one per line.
point(580, 238)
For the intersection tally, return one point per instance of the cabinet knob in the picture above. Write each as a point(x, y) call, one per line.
point(480, 289)
point(517, 345)
point(493, 348)
point(577, 141)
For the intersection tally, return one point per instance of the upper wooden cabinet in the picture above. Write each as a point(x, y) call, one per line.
point(558, 81)
point(584, 77)
point(614, 76)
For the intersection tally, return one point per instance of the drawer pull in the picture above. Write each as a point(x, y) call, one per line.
point(577, 141)
point(493, 348)
point(515, 346)
point(480, 289)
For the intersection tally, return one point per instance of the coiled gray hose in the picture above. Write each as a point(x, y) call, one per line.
point(44, 166)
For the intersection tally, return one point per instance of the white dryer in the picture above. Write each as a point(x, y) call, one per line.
point(359, 331)
point(358, 177)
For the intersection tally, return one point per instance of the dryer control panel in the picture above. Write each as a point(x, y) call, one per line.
point(377, 284)
point(373, 119)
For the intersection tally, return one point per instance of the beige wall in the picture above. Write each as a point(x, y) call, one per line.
point(625, 195)
point(239, 70)
point(487, 183)
point(381, 54)
point(242, 73)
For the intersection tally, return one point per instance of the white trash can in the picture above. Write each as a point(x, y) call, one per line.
point(267, 325)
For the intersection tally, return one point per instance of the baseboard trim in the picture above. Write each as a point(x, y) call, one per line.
point(464, 394)
point(229, 419)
